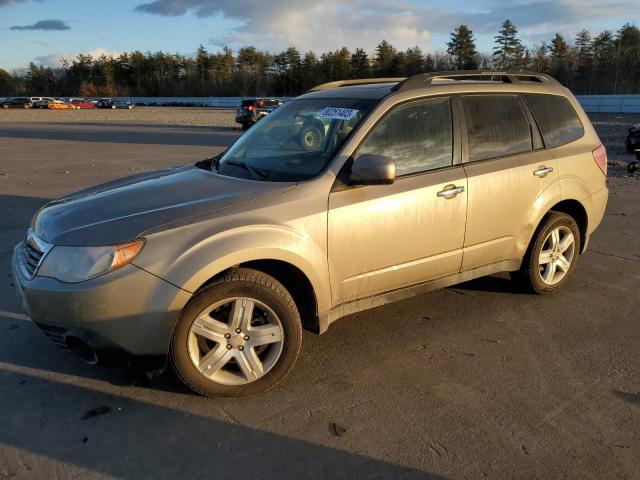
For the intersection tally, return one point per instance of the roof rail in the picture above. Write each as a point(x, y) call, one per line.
point(355, 81)
point(425, 79)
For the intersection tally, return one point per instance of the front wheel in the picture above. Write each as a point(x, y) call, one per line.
point(238, 337)
point(552, 256)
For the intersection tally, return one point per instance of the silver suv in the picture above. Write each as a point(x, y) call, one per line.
point(356, 194)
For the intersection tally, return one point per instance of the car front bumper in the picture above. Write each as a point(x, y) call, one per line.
point(125, 314)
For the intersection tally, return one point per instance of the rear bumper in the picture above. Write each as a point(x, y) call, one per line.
point(246, 119)
point(124, 314)
point(595, 205)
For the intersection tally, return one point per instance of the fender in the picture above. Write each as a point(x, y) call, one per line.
point(243, 244)
point(539, 208)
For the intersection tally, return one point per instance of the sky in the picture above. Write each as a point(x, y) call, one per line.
point(43, 31)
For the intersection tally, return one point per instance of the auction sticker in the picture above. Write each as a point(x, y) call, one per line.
point(338, 113)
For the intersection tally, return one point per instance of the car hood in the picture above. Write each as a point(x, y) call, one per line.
point(123, 210)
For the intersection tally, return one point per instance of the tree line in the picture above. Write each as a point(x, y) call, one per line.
point(607, 63)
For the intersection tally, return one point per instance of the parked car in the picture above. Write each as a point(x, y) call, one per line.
point(407, 185)
point(252, 110)
point(633, 138)
point(82, 103)
point(16, 102)
point(42, 103)
point(104, 103)
point(61, 105)
point(120, 104)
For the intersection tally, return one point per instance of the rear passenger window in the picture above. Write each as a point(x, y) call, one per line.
point(496, 126)
point(417, 136)
point(558, 122)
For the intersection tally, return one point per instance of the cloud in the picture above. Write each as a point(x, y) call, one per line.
point(55, 59)
point(329, 24)
point(309, 24)
point(49, 25)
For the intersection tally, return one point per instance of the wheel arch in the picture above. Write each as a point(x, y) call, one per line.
point(575, 210)
point(293, 279)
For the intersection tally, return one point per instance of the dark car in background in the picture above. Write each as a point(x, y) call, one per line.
point(17, 102)
point(42, 103)
point(123, 104)
point(252, 110)
point(633, 138)
point(104, 103)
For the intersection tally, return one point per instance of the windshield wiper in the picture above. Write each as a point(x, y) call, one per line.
point(253, 170)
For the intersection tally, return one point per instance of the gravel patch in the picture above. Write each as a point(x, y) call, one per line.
point(612, 129)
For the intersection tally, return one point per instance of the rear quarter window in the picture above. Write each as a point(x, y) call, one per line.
point(557, 120)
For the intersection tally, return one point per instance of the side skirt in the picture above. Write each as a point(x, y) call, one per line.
point(355, 306)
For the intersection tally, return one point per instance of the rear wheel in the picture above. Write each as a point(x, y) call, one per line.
point(552, 256)
point(246, 126)
point(238, 337)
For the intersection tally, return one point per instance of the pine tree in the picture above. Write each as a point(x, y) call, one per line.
point(360, 64)
point(386, 61)
point(540, 62)
point(583, 45)
point(509, 51)
point(463, 49)
point(559, 48)
point(559, 55)
point(412, 61)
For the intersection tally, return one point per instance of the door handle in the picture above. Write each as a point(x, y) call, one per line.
point(450, 191)
point(542, 171)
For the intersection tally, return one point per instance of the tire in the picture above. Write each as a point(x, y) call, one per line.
point(233, 353)
point(549, 277)
point(630, 146)
point(245, 126)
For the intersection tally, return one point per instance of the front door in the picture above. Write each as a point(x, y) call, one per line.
point(384, 237)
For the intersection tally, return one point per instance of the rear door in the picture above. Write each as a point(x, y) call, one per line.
point(508, 170)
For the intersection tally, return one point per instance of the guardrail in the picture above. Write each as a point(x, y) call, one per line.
point(610, 103)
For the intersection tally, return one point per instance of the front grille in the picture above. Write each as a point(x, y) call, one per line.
point(31, 252)
point(30, 259)
point(55, 334)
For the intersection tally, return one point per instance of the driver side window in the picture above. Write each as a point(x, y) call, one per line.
point(417, 136)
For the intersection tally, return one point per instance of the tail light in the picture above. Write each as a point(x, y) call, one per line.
point(251, 108)
point(600, 156)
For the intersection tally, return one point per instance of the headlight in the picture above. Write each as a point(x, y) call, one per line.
point(77, 264)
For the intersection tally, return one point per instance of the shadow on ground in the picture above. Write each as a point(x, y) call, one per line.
point(109, 434)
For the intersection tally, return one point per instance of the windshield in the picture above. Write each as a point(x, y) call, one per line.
point(296, 141)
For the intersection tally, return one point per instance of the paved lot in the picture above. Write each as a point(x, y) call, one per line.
point(468, 382)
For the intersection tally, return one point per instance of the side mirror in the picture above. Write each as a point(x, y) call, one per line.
point(372, 169)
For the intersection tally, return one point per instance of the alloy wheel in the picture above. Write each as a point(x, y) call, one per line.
point(235, 341)
point(557, 255)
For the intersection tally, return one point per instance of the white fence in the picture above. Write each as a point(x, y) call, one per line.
point(591, 103)
point(610, 103)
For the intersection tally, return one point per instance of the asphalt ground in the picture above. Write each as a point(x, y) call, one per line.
point(474, 381)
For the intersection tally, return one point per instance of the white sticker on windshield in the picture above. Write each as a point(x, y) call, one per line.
point(338, 113)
